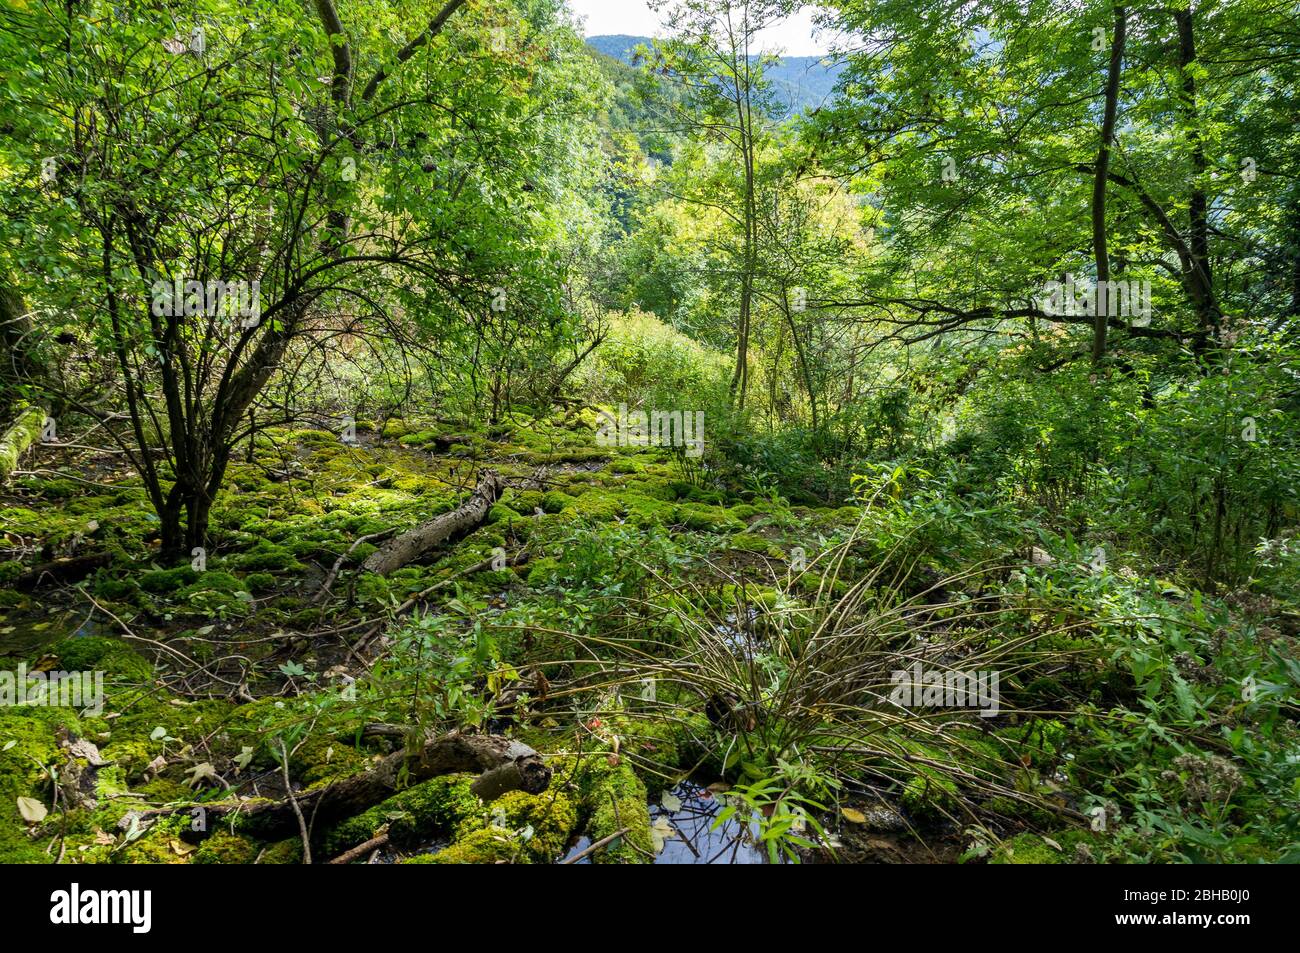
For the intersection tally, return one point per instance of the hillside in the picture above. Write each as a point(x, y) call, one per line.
point(802, 83)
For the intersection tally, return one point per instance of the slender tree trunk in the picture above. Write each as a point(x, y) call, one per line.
point(1197, 205)
point(1101, 300)
point(803, 362)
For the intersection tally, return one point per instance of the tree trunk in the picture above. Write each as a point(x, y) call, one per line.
point(1101, 299)
point(413, 544)
point(1202, 282)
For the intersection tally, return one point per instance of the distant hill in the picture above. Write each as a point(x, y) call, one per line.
point(801, 83)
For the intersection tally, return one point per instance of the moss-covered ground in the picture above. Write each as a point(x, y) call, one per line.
point(214, 671)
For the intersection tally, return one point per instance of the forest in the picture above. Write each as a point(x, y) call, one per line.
point(428, 437)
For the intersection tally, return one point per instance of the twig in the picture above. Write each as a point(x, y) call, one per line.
point(293, 801)
point(379, 840)
point(592, 848)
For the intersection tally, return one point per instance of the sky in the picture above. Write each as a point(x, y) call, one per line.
point(794, 37)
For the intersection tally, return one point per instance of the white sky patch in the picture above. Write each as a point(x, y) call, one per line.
point(793, 37)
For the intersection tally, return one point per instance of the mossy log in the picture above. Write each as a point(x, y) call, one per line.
point(503, 765)
point(26, 430)
point(61, 571)
point(414, 543)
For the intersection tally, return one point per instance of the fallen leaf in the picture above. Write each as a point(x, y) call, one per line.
point(670, 802)
point(32, 810)
point(660, 833)
point(1051, 843)
point(852, 816)
point(103, 838)
point(181, 847)
point(201, 772)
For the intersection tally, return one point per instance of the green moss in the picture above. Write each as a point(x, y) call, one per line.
point(267, 557)
point(543, 571)
point(610, 797)
point(645, 511)
point(262, 582)
point(1033, 849)
point(226, 848)
point(164, 582)
point(116, 590)
point(113, 657)
point(598, 506)
point(163, 843)
point(322, 758)
point(554, 501)
point(525, 503)
point(750, 543)
point(521, 828)
point(288, 851)
point(442, 804)
point(928, 792)
point(708, 519)
point(23, 773)
point(622, 806)
point(394, 429)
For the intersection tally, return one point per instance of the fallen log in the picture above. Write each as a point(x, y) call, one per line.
point(413, 544)
point(65, 569)
point(24, 432)
point(502, 765)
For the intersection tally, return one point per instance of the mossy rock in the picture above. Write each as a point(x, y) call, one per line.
point(113, 657)
point(266, 557)
point(163, 582)
point(596, 506)
point(708, 519)
point(263, 582)
point(553, 501)
point(751, 543)
point(525, 503)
